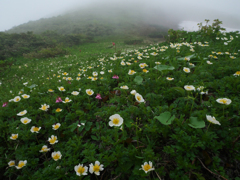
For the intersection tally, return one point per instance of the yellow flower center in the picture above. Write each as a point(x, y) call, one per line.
point(21, 164)
point(224, 101)
point(44, 149)
point(44, 107)
point(58, 110)
point(144, 70)
point(139, 98)
point(52, 140)
point(17, 99)
point(22, 112)
point(14, 136)
point(81, 170)
point(56, 126)
point(96, 168)
point(237, 73)
point(65, 73)
point(89, 92)
point(61, 89)
point(35, 129)
point(146, 167)
point(56, 156)
point(115, 121)
point(25, 96)
point(12, 164)
point(66, 100)
point(25, 121)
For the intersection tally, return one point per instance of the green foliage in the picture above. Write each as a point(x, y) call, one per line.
point(167, 127)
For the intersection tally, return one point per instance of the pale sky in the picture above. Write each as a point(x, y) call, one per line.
point(16, 12)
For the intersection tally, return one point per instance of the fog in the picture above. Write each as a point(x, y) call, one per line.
point(171, 13)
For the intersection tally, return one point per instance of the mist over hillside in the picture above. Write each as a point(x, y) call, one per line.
point(102, 19)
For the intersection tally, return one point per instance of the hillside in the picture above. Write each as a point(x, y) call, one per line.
point(99, 22)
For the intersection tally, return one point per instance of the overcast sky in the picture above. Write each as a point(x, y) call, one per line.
point(16, 12)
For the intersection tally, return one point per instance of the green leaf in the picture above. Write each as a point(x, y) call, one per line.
point(190, 56)
point(138, 80)
point(164, 67)
point(88, 126)
point(32, 86)
point(179, 89)
point(195, 123)
point(73, 126)
point(139, 157)
point(165, 118)
point(94, 137)
point(199, 176)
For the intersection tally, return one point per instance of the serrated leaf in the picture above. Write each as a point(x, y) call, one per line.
point(164, 67)
point(195, 123)
point(165, 118)
point(138, 80)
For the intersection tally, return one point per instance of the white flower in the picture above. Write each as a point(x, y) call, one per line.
point(96, 168)
point(14, 136)
point(89, 92)
point(116, 120)
point(75, 93)
point(53, 139)
point(209, 62)
point(102, 72)
point(189, 87)
point(95, 74)
point(67, 100)
point(61, 88)
point(25, 83)
point(80, 170)
point(56, 126)
point(25, 120)
point(170, 79)
point(187, 70)
point(224, 101)
point(21, 164)
point(124, 87)
point(44, 107)
point(35, 129)
point(133, 92)
point(11, 163)
point(131, 72)
point(25, 96)
point(147, 167)
point(17, 99)
point(139, 98)
point(22, 113)
point(56, 155)
point(44, 149)
point(212, 119)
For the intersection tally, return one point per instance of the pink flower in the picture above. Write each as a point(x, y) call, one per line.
point(98, 96)
point(113, 44)
point(58, 100)
point(69, 82)
point(115, 77)
point(4, 104)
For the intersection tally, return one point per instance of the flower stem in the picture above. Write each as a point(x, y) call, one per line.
point(208, 127)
